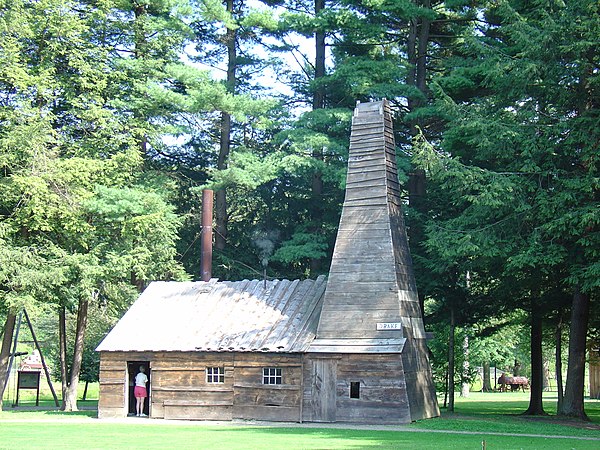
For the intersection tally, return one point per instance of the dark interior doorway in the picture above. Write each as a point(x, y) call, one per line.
point(133, 367)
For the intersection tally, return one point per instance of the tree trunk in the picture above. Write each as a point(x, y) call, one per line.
point(546, 377)
point(319, 94)
point(446, 390)
point(421, 75)
point(221, 216)
point(9, 329)
point(558, 356)
point(316, 211)
point(416, 233)
point(451, 363)
point(487, 382)
point(411, 53)
point(140, 51)
point(221, 219)
point(465, 386)
point(416, 50)
point(62, 348)
point(517, 368)
point(573, 405)
point(70, 401)
point(85, 389)
point(536, 406)
point(139, 31)
point(318, 102)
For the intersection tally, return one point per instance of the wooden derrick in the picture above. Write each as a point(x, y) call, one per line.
point(371, 305)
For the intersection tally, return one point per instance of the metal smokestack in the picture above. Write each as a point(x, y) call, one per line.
point(206, 241)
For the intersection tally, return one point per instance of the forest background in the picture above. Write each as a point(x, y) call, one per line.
point(115, 114)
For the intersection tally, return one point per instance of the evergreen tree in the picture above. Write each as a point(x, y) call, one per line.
point(520, 160)
point(69, 155)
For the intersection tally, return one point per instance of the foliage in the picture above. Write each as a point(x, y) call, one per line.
point(518, 177)
point(80, 219)
point(499, 344)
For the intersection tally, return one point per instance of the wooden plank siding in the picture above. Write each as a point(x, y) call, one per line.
point(321, 385)
point(179, 390)
point(383, 395)
point(112, 387)
point(363, 277)
point(255, 400)
point(314, 389)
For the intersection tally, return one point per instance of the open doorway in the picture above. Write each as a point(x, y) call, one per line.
point(133, 367)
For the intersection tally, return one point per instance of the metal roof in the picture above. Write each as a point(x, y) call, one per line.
point(240, 316)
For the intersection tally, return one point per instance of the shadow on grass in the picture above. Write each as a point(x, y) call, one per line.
point(49, 409)
point(503, 412)
point(513, 404)
point(322, 439)
point(51, 413)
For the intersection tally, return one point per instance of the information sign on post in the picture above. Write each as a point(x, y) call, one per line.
point(28, 379)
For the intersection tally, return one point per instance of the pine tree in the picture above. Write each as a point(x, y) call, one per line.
point(518, 168)
point(64, 141)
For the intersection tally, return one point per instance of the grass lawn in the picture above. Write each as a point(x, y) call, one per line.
point(501, 412)
point(107, 435)
point(480, 415)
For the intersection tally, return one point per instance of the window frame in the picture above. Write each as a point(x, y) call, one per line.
point(215, 378)
point(272, 376)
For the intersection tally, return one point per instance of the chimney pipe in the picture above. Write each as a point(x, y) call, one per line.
point(206, 241)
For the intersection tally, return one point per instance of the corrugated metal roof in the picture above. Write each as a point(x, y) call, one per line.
point(218, 316)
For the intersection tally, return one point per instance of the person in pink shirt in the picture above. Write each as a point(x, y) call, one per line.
point(139, 392)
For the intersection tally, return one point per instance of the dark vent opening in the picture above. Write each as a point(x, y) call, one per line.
point(355, 389)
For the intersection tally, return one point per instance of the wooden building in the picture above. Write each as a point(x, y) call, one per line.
point(213, 350)
point(347, 348)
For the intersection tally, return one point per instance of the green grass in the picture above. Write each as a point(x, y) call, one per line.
point(27, 396)
point(502, 412)
point(480, 415)
point(107, 435)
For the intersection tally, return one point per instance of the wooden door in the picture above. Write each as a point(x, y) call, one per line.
point(323, 388)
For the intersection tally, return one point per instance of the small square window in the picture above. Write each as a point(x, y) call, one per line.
point(271, 375)
point(355, 389)
point(215, 375)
